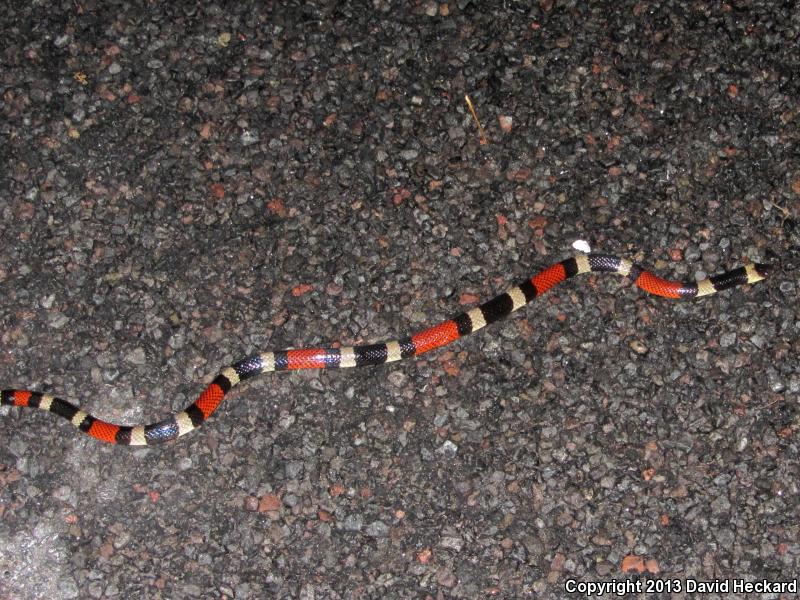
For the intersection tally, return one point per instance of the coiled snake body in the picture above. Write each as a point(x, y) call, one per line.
point(431, 338)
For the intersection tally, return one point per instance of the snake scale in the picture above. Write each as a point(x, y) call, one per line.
point(339, 356)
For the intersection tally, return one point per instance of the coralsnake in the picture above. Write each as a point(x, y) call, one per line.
point(339, 356)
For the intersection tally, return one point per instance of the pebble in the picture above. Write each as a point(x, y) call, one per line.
point(137, 356)
point(353, 522)
point(377, 529)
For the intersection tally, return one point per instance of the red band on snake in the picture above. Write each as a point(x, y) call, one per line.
point(426, 340)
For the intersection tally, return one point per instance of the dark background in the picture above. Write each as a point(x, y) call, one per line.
point(183, 184)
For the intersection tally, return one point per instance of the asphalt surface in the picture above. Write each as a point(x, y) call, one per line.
point(183, 185)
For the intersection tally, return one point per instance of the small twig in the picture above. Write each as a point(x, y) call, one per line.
point(785, 212)
point(484, 141)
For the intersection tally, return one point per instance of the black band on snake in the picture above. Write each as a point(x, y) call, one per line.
point(338, 356)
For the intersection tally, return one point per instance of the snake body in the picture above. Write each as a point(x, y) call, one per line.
point(339, 356)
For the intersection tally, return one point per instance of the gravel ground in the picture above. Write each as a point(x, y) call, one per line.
point(183, 185)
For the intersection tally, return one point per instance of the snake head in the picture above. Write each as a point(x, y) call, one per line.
point(764, 269)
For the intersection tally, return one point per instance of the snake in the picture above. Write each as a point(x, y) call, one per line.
point(338, 356)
